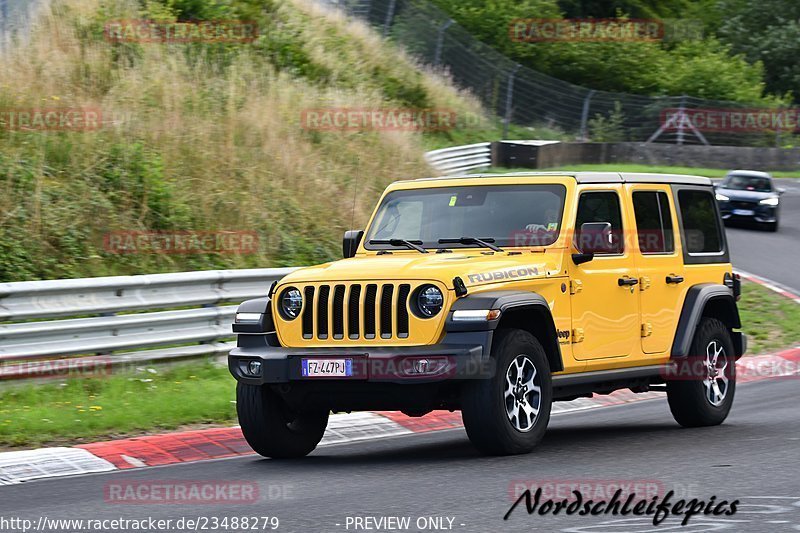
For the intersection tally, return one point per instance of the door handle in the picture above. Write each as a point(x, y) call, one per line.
point(626, 281)
point(675, 279)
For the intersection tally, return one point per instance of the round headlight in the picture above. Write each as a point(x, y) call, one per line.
point(291, 303)
point(429, 301)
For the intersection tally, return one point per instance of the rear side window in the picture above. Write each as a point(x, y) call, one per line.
point(653, 222)
point(701, 228)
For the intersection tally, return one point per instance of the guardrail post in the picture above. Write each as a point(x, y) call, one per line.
point(387, 24)
point(437, 57)
point(509, 99)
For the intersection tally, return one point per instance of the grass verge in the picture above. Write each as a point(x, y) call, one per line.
point(771, 321)
point(150, 400)
point(146, 400)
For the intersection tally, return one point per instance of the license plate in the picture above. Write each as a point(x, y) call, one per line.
point(744, 212)
point(327, 368)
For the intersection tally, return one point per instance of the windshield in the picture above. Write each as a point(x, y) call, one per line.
point(506, 215)
point(748, 183)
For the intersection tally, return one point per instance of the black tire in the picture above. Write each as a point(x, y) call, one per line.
point(772, 226)
point(272, 429)
point(689, 395)
point(483, 403)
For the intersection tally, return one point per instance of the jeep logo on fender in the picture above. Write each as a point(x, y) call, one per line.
point(511, 273)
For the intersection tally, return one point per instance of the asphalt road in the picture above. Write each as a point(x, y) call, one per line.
point(752, 458)
point(773, 255)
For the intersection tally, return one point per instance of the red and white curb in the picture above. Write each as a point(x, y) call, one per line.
point(218, 443)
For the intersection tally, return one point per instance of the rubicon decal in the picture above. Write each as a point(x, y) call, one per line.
point(511, 273)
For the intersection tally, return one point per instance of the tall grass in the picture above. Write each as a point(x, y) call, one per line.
point(200, 137)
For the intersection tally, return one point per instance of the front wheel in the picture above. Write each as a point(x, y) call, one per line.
point(274, 430)
point(508, 413)
point(703, 395)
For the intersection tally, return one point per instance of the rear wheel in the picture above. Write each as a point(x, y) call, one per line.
point(508, 413)
point(272, 429)
point(704, 394)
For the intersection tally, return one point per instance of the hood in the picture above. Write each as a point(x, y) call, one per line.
point(473, 266)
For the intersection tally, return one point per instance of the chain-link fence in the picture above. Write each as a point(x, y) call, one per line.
point(520, 95)
point(15, 19)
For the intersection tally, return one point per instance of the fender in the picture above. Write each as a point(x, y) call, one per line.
point(262, 326)
point(697, 298)
point(506, 302)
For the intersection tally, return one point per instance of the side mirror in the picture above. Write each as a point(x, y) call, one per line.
point(781, 190)
point(352, 239)
point(595, 238)
point(580, 259)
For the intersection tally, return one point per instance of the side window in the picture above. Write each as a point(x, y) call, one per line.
point(602, 206)
point(700, 222)
point(653, 222)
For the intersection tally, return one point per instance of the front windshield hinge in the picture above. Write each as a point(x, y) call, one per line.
point(459, 286)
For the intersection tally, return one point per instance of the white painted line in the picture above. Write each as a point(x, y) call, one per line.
point(16, 467)
point(351, 427)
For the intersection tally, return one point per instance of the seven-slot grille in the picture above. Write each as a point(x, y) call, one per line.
point(358, 311)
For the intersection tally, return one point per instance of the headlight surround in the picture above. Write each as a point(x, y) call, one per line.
point(428, 301)
point(722, 197)
point(290, 303)
point(770, 201)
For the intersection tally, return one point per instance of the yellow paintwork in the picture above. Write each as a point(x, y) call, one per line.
point(614, 326)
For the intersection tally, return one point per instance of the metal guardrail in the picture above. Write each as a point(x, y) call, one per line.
point(461, 158)
point(83, 320)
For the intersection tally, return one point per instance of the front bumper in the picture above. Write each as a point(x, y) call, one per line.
point(462, 356)
point(759, 213)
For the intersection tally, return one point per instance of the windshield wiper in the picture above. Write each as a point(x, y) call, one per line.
point(413, 245)
point(485, 243)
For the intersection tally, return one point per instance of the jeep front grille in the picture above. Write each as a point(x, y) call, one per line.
point(356, 311)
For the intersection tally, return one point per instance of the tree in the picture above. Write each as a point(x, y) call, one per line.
point(767, 31)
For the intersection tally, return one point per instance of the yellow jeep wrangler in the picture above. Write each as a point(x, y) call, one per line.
point(496, 295)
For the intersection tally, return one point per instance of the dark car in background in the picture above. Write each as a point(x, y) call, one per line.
point(749, 195)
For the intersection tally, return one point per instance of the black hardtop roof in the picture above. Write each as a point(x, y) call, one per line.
point(596, 177)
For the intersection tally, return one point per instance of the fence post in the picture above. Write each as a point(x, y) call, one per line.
point(3, 23)
point(585, 116)
point(387, 24)
point(681, 111)
point(509, 99)
point(437, 57)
